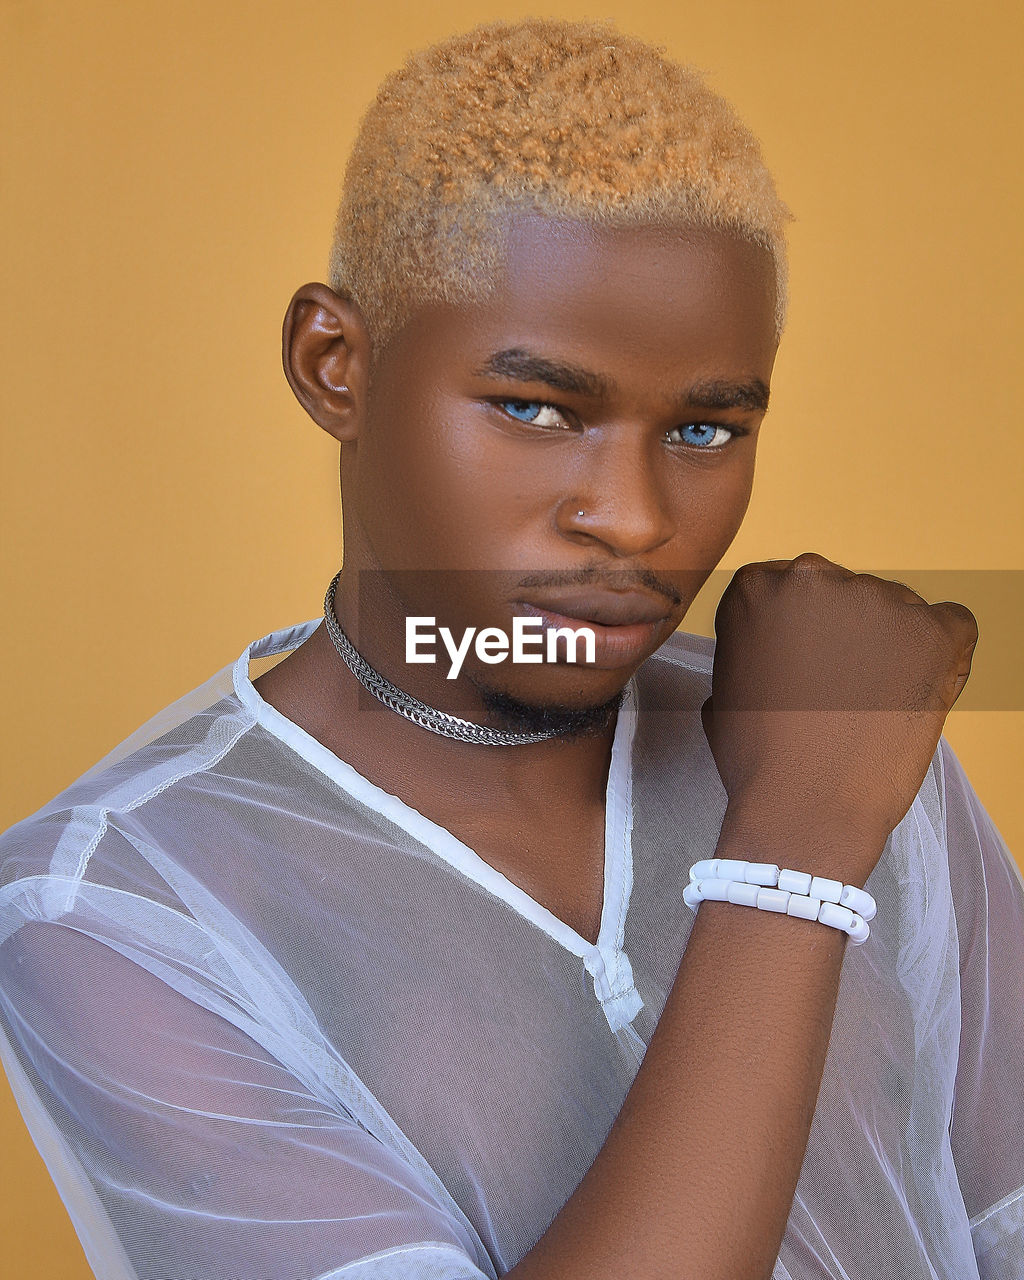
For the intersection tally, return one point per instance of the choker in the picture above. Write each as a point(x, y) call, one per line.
point(408, 706)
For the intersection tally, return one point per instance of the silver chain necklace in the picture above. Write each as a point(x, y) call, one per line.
point(408, 706)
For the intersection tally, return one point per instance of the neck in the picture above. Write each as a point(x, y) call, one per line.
point(315, 688)
point(374, 626)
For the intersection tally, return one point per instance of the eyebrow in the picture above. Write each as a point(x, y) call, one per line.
point(523, 366)
point(519, 365)
point(724, 393)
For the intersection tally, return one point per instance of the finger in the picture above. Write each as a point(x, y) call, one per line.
point(906, 593)
point(911, 596)
point(962, 675)
point(806, 560)
point(960, 684)
point(813, 560)
point(958, 621)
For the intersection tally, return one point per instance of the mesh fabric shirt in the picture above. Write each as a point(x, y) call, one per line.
point(265, 1021)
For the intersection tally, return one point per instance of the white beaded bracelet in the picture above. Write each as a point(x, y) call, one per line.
point(802, 882)
point(796, 893)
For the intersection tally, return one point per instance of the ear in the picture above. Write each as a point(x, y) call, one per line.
point(326, 353)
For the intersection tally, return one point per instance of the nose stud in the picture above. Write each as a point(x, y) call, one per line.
point(571, 517)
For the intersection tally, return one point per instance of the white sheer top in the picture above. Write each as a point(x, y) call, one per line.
point(266, 1021)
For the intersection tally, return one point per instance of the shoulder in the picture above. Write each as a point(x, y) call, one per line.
point(686, 650)
point(984, 874)
point(122, 857)
point(676, 679)
point(681, 667)
point(97, 824)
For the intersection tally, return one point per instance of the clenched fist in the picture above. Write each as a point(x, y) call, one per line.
point(829, 692)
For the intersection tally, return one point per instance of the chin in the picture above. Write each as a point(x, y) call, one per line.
point(575, 714)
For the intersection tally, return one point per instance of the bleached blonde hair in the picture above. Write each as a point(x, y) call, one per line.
point(569, 119)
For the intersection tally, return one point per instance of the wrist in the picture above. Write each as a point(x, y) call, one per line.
point(829, 843)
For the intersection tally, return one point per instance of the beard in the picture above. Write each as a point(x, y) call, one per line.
point(517, 716)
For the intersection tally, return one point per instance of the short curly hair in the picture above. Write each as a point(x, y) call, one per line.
point(569, 119)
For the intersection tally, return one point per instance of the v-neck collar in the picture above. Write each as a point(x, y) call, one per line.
point(605, 960)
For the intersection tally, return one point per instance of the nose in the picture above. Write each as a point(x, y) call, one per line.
point(619, 499)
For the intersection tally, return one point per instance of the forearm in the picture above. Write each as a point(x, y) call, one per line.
point(697, 1176)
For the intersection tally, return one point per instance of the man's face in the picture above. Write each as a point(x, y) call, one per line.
point(618, 373)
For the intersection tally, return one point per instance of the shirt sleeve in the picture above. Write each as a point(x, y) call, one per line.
point(185, 1151)
point(987, 1127)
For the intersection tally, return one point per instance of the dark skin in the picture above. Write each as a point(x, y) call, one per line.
point(440, 472)
point(673, 331)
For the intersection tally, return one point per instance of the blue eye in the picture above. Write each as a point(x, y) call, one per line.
point(535, 412)
point(707, 433)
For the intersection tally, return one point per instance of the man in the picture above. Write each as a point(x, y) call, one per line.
point(353, 969)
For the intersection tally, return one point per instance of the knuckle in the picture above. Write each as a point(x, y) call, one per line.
point(907, 592)
point(890, 589)
point(758, 568)
point(748, 579)
point(811, 558)
point(962, 621)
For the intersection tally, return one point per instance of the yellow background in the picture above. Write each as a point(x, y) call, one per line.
point(170, 176)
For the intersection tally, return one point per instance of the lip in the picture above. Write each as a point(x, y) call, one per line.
point(615, 645)
point(606, 608)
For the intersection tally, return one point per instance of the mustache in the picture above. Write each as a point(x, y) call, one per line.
point(612, 580)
